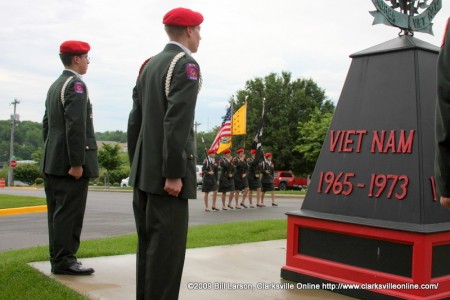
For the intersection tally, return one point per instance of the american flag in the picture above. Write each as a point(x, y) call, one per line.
point(224, 134)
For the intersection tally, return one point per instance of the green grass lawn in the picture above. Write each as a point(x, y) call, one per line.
point(11, 201)
point(20, 281)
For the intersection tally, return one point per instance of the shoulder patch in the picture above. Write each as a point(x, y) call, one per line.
point(78, 87)
point(192, 71)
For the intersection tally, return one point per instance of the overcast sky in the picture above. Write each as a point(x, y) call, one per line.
point(241, 40)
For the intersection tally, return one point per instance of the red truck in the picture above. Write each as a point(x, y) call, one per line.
point(285, 180)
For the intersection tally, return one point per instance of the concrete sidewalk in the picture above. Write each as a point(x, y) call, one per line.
point(255, 266)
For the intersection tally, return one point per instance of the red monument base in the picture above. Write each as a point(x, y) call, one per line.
point(366, 261)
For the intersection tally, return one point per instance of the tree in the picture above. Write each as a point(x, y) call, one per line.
point(114, 136)
point(109, 158)
point(27, 138)
point(37, 156)
point(123, 171)
point(312, 136)
point(287, 103)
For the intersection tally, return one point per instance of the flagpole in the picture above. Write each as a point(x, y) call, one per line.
point(232, 112)
point(262, 116)
point(245, 136)
point(263, 107)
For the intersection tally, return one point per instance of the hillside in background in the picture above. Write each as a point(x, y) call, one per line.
point(28, 139)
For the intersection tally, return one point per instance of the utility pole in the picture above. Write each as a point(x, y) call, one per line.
point(11, 146)
point(196, 124)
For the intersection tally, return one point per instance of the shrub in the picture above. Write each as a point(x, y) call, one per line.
point(27, 172)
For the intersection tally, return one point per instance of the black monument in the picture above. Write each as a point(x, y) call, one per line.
point(371, 216)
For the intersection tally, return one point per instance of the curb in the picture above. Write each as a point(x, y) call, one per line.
point(23, 210)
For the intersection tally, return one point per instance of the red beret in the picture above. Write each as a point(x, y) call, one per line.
point(226, 151)
point(74, 47)
point(211, 151)
point(268, 154)
point(182, 17)
point(240, 150)
point(253, 151)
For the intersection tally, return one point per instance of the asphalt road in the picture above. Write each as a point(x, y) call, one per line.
point(109, 213)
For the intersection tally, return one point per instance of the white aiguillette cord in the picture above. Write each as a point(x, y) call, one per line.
point(170, 73)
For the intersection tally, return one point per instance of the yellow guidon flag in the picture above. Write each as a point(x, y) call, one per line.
point(239, 121)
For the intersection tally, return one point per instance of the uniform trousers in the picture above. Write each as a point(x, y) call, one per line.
point(161, 224)
point(66, 204)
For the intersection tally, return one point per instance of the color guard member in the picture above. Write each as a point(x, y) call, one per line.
point(254, 179)
point(240, 178)
point(226, 181)
point(267, 179)
point(210, 170)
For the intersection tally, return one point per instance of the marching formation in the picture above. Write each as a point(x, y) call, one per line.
point(235, 176)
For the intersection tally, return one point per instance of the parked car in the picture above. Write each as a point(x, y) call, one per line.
point(124, 182)
point(199, 174)
point(285, 180)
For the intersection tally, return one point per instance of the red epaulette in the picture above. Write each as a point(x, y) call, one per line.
point(143, 65)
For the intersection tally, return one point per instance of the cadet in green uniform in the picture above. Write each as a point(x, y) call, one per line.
point(161, 149)
point(442, 126)
point(210, 171)
point(267, 179)
point(226, 180)
point(254, 179)
point(69, 158)
point(240, 178)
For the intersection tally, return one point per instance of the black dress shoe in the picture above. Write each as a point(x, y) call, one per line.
point(74, 269)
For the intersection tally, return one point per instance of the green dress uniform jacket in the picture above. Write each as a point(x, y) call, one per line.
point(68, 128)
point(161, 129)
point(442, 128)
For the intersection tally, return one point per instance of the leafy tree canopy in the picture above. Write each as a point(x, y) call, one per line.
point(287, 103)
point(109, 157)
point(27, 138)
point(312, 135)
point(113, 136)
